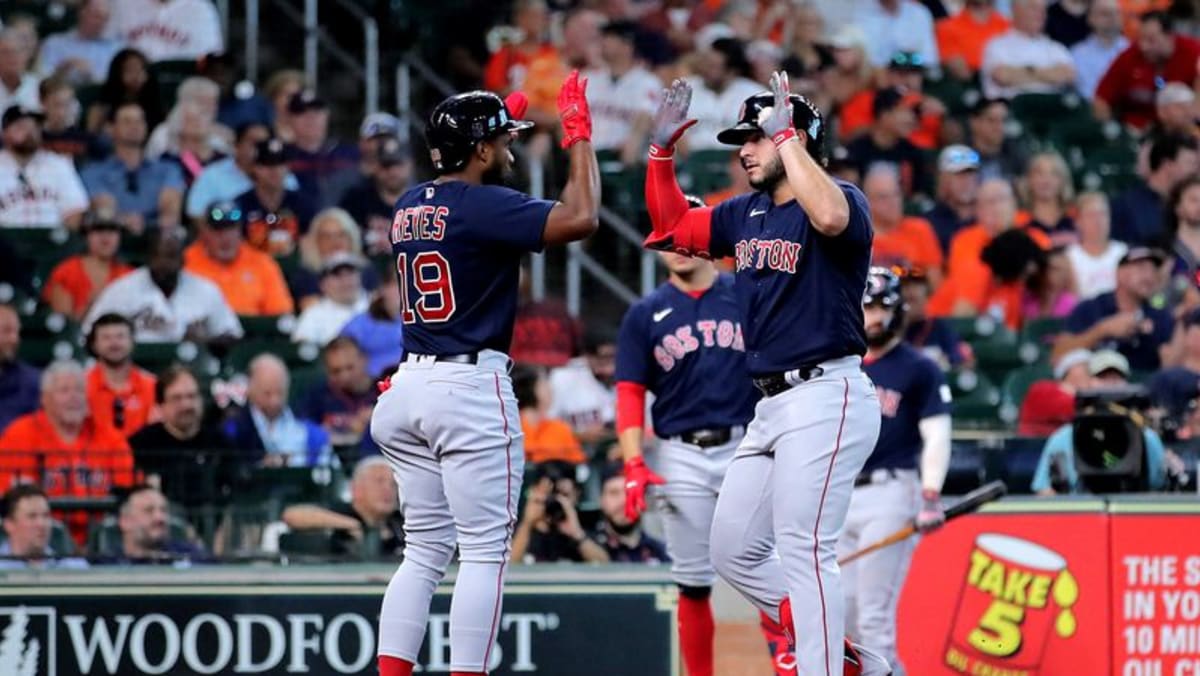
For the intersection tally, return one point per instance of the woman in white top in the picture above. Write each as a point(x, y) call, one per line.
point(1094, 257)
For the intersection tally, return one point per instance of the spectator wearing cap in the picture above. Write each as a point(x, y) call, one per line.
point(899, 240)
point(508, 66)
point(168, 30)
point(999, 156)
point(1056, 466)
point(622, 539)
point(61, 132)
point(342, 403)
point(1024, 59)
point(166, 303)
point(954, 195)
point(142, 192)
point(119, 393)
point(1175, 110)
point(37, 188)
point(18, 86)
point(325, 167)
point(276, 217)
point(82, 54)
point(1050, 403)
point(250, 280)
point(933, 336)
point(1124, 319)
point(267, 431)
point(622, 95)
point(333, 231)
point(371, 203)
point(28, 527)
point(342, 297)
point(962, 37)
point(62, 446)
point(905, 70)
point(229, 177)
point(375, 128)
point(374, 507)
point(76, 281)
point(19, 382)
point(720, 86)
point(1126, 92)
point(894, 111)
point(1094, 257)
point(1097, 51)
point(1137, 213)
point(896, 25)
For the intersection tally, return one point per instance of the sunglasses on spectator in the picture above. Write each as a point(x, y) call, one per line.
point(911, 60)
point(219, 216)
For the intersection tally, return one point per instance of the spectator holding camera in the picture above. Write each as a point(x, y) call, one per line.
point(550, 529)
point(622, 539)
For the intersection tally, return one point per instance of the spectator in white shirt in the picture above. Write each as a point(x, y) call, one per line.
point(897, 26)
point(584, 390)
point(17, 85)
point(166, 30)
point(342, 298)
point(1024, 60)
point(37, 188)
point(166, 303)
point(1096, 53)
point(1094, 257)
point(81, 56)
point(622, 95)
point(719, 87)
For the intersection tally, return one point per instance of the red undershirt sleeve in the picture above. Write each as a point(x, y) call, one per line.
point(631, 405)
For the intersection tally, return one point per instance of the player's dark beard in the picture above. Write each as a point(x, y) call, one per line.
point(878, 335)
point(499, 174)
point(773, 173)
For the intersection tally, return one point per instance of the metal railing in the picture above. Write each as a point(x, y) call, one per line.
point(316, 37)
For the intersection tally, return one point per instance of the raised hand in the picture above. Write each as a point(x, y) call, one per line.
point(671, 120)
point(776, 121)
point(573, 110)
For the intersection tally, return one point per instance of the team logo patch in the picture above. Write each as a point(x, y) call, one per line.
point(27, 641)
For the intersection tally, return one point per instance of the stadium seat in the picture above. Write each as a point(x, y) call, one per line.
point(1042, 331)
point(170, 74)
point(958, 96)
point(41, 351)
point(274, 327)
point(155, 357)
point(706, 170)
point(308, 542)
point(46, 323)
point(43, 244)
point(295, 355)
point(1038, 113)
point(303, 380)
point(1016, 385)
point(976, 400)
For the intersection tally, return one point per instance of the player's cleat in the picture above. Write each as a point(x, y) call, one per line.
point(779, 645)
point(862, 662)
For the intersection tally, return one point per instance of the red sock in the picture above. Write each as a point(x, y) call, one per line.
point(394, 666)
point(696, 631)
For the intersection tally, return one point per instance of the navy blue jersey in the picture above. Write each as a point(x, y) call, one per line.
point(911, 388)
point(690, 352)
point(800, 292)
point(458, 249)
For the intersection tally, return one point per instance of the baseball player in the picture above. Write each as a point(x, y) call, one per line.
point(802, 245)
point(449, 423)
point(902, 480)
point(684, 344)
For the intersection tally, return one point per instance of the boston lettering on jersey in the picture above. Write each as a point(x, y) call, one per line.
point(691, 354)
point(911, 388)
point(458, 248)
point(799, 292)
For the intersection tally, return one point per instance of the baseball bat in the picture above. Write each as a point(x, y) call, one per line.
point(969, 503)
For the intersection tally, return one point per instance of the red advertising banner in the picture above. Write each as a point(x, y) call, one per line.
point(1155, 593)
point(1010, 594)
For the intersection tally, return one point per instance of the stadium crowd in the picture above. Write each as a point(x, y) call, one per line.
point(198, 297)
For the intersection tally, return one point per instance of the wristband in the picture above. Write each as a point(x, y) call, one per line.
point(658, 152)
point(930, 495)
point(782, 137)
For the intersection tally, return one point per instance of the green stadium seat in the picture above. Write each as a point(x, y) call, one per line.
point(302, 381)
point(308, 542)
point(1042, 331)
point(41, 351)
point(43, 244)
point(957, 95)
point(274, 327)
point(1038, 113)
point(170, 75)
point(155, 357)
point(295, 355)
point(976, 399)
point(1016, 385)
point(46, 323)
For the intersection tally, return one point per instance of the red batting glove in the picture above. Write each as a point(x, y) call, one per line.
point(516, 103)
point(637, 477)
point(384, 384)
point(931, 517)
point(573, 110)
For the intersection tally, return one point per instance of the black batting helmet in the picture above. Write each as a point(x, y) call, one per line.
point(463, 120)
point(883, 289)
point(805, 118)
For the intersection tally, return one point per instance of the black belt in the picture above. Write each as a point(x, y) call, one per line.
point(775, 383)
point(875, 476)
point(465, 358)
point(708, 437)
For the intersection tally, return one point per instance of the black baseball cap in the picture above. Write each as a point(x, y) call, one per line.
point(270, 153)
point(889, 98)
point(225, 214)
point(304, 101)
point(18, 112)
point(393, 151)
point(1138, 254)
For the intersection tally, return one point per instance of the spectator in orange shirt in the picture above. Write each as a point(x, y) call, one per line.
point(61, 446)
point(506, 70)
point(250, 280)
point(899, 240)
point(119, 394)
point(962, 37)
point(75, 282)
point(546, 70)
point(546, 439)
point(905, 70)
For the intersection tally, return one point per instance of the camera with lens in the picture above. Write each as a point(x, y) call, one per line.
point(1109, 440)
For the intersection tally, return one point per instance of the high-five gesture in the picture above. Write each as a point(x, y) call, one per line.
point(573, 110)
point(671, 120)
point(776, 120)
